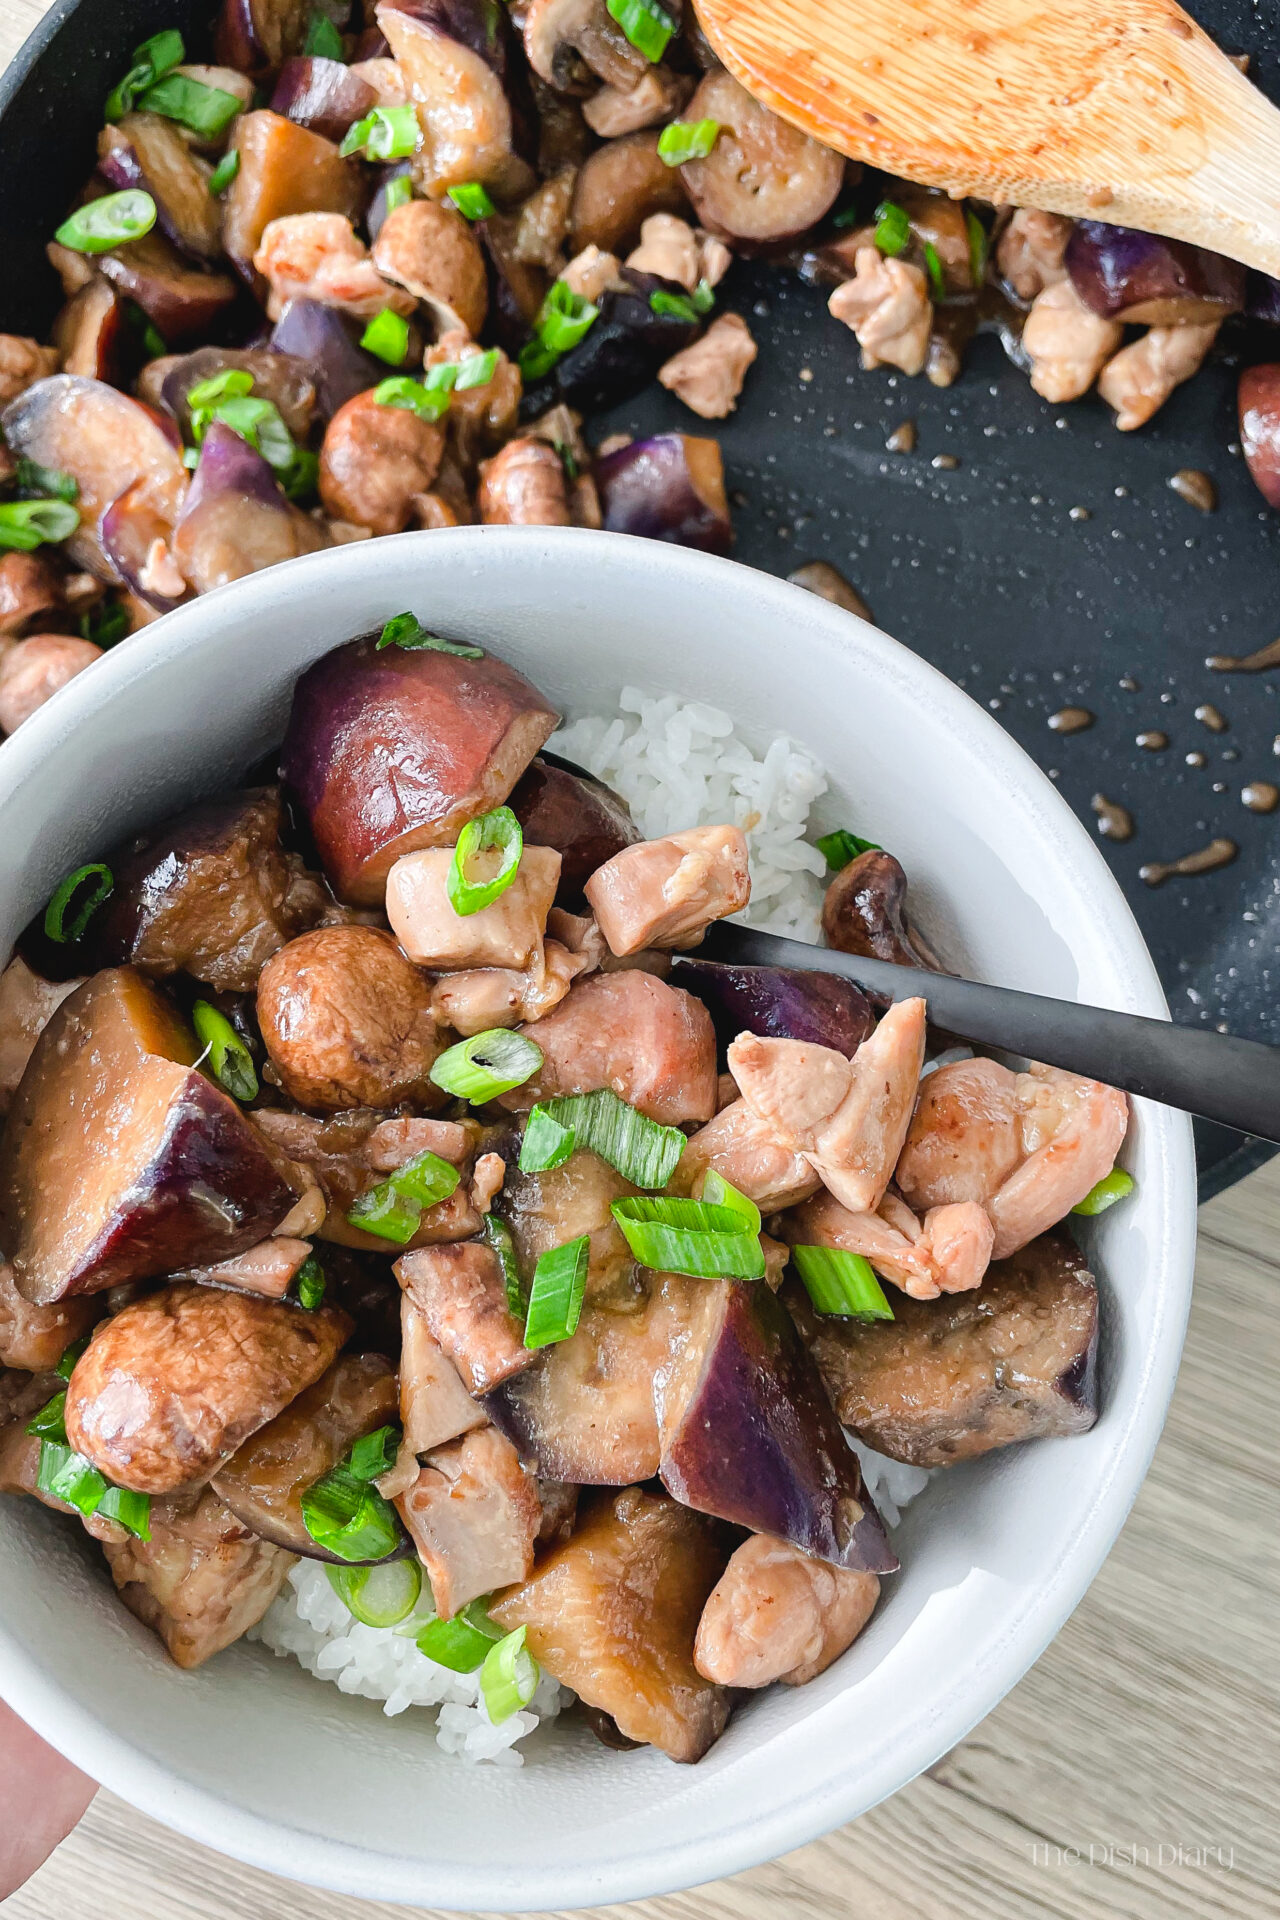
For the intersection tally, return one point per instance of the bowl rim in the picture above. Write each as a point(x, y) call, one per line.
point(759, 1834)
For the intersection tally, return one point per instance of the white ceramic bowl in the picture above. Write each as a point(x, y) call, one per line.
point(252, 1756)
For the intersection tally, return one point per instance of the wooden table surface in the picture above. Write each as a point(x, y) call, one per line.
point(1132, 1775)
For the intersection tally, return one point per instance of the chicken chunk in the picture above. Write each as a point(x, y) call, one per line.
point(668, 247)
point(434, 1404)
point(352, 1152)
point(666, 893)
point(480, 419)
point(36, 1338)
point(486, 997)
point(1029, 253)
point(508, 933)
point(888, 307)
point(318, 256)
point(1067, 343)
point(461, 1293)
point(27, 1003)
point(593, 273)
point(946, 1253)
point(201, 1581)
point(1139, 379)
point(848, 1117)
point(269, 1269)
point(777, 1614)
point(473, 1514)
point(386, 77)
point(653, 1044)
point(32, 671)
point(613, 111)
point(744, 1152)
point(347, 1021)
point(708, 376)
point(22, 363)
point(377, 463)
point(525, 486)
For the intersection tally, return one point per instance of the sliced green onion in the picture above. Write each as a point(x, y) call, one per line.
point(426, 1179)
point(703, 297)
point(388, 133)
point(374, 1453)
point(378, 1596)
point(206, 110)
point(406, 630)
point(840, 1282)
point(28, 524)
point(690, 1236)
point(429, 403)
point(478, 371)
point(67, 1475)
point(441, 379)
point(563, 319)
point(472, 200)
point(719, 1192)
point(641, 1150)
point(225, 172)
point(302, 476)
point(682, 140)
point(509, 1677)
point(347, 1516)
point(840, 847)
point(51, 1421)
point(309, 1284)
point(382, 1212)
point(100, 882)
point(105, 625)
point(387, 336)
point(937, 279)
point(647, 25)
point(1116, 1185)
point(397, 192)
point(893, 228)
point(259, 422)
point(153, 58)
point(67, 1364)
point(230, 1059)
point(497, 1234)
point(555, 1298)
point(230, 384)
point(109, 222)
point(461, 1644)
point(569, 459)
point(323, 41)
point(679, 306)
point(132, 1510)
point(978, 246)
point(486, 1065)
point(50, 483)
point(847, 217)
point(498, 830)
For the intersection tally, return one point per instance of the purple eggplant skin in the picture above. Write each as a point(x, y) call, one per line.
point(779, 1003)
point(1259, 404)
point(749, 1435)
point(326, 344)
point(255, 36)
point(322, 95)
point(479, 25)
point(1140, 277)
point(148, 151)
point(378, 209)
point(581, 818)
point(128, 529)
point(277, 377)
point(670, 487)
point(621, 352)
point(865, 913)
point(236, 520)
point(1262, 298)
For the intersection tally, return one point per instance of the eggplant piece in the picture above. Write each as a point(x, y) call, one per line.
point(780, 1003)
point(865, 912)
point(1144, 279)
point(454, 56)
point(748, 1433)
point(255, 36)
point(763, 181)
point(378, 209)
point(277, 376)
point(1259, 404)
point(574, 44)
point(35, 1338)
point(210, 894)
point(617, 189)
point(620, 353)
point(545, 1210)
point(517, 288)
point(326, 343)
point(284, 169)
point(106, 442)
point(322, 95)
point(948, 1379)
point(264, 1481)
point(181, 299)
point(236, 520)
point(89, 333)
point(170, 1387)
point(147, 150)
point(459, 733)
point(119, 1160)
point(613, 1613)
point(585, 821)
point(1262, 297)
point(669, 487)
point(135, 538)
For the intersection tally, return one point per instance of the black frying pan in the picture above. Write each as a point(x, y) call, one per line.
point(979, 567)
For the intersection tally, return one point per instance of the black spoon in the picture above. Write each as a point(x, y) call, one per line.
point(1235, 1082)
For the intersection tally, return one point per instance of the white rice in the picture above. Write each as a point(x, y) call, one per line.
point(676, 764)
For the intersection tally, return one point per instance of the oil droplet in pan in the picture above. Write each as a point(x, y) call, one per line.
point(1219, 853)
point(1209, 716)
point(1154, 741)
point(1071, 720)
point(1260, 796)
point(1114, 821)
point(1268, 656)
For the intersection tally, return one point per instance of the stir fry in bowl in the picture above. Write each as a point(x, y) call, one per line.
point(375, 268)
point(417, 1256)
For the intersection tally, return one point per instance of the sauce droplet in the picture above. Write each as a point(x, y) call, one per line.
point(1154, 741)
point(902, 439)
point(828, 583)
point(1195, 487)
point(1218, 853)
point(1211, 718)
point(1071, 720)
point(1114, 821)
point(1261, 796)
point(1195, 758)
point(1127, 684)
point(1268, 656)
point(944, 462)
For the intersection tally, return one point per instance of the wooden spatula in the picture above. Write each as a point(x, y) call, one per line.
point(1119, 110)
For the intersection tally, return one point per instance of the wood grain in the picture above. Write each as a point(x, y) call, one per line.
point(1149, 1732)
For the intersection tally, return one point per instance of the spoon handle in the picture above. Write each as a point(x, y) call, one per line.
point(1235, 1082)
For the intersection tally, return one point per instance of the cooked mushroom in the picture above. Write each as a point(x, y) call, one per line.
point(377, 463)
point(474, 1515)
point(573, 43)
point(454, 60)
point(616, 191)
point(31, 593)
point(525, 486)
point(32, 671)
point(865, 912)
point(432, 252)
point(762, 181)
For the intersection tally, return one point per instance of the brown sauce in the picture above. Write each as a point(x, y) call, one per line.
point(1154, 741)
point(1260, 796)
point(1219, 853)
point(1114, 821)
point(1211, 718)
point(829, 583)
point(902, 439)
point(1071, 720)
point(1195, 758)
point(1268, 656)
point(1195, 487)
